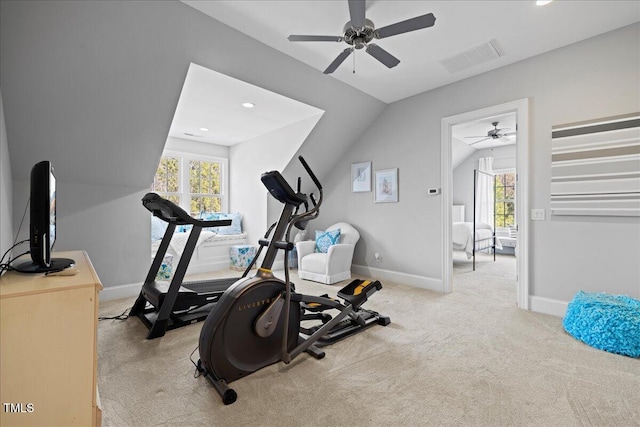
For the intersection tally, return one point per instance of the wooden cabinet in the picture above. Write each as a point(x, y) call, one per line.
point(48, 347)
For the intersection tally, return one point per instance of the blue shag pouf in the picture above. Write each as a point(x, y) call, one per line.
point(605, 321)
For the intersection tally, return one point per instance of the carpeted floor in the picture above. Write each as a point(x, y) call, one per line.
point(467, 358)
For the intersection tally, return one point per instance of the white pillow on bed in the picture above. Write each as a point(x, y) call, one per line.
point(482, 225)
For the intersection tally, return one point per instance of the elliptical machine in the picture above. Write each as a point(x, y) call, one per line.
point(256, 322)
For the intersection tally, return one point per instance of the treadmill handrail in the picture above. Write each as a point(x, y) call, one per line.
point(168, 211)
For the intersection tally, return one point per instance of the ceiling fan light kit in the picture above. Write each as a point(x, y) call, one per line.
point(360, 31)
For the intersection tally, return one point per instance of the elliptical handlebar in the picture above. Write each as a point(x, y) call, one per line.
point(299, 220)
point(310, 172)
point(308, 215)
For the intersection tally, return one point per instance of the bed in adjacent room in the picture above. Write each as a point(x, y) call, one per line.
point(464, 237)
point(472, 237)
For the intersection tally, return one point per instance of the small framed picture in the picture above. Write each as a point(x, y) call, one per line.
point(361, 177)
point(386, 186)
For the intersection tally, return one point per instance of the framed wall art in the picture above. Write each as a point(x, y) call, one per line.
point(386, 186)
point(361, 177)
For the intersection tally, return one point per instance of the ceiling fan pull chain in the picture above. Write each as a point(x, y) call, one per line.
point(354, 62)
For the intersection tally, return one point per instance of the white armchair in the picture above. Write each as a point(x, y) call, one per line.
point(333, 266)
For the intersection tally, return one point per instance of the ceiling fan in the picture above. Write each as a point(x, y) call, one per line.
point(494, 133)
point(359, 32)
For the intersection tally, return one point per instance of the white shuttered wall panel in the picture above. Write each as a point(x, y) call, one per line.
point(595, 167)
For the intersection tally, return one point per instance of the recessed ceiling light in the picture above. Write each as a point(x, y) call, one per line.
point(248, 104)
point(543, 2)
point(204, 129)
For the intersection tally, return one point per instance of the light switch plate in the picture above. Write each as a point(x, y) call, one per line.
point(537, 214)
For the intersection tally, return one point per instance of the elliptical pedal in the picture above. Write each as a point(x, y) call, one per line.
point(358, 291)
point(316, 307)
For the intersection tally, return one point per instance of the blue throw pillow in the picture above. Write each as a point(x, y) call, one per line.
point(209, 216)
point(236, 223)
point(158, 228)
point(325, 239)
point(234, 228)
point(183, 229)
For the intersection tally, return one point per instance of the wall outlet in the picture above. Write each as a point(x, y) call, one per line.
point(537, 214)
point(433, 191)
point(377, 257)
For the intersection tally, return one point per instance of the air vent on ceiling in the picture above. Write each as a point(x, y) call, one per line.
point(472, 57)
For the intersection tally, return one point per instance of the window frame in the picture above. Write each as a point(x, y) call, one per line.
point(170, 195)
point(496, 174)
point(183, 179)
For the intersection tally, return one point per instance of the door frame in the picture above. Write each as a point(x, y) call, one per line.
point(521, 108)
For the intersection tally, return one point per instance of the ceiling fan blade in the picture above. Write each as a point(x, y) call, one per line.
point(382, 55)
point(356, 11)
point(412, 24)
point(483, 139)
point(339, 60)
point(303, 38)
point(479, 136)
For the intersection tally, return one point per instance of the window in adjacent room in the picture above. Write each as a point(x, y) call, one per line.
point(194, 182)
point(505, 199)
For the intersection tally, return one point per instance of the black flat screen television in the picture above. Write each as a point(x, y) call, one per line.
point(42, 222)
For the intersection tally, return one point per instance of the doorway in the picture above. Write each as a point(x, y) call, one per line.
point(520, 109)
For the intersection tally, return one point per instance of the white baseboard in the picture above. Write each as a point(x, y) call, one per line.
point(121, 291)
point(398, 277)
point(550, 306)
point(537, 304)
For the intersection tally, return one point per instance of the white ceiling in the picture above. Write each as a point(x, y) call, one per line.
point(213, 101)
point(519, 27)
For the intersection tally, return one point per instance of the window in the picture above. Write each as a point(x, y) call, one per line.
point(204, 186)
point(195, 183)
point(167, 179)
point(505, 200)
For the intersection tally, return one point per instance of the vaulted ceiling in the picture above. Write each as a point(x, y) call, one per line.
point(465, 33)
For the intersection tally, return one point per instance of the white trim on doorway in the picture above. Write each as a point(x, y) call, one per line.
point(521, 108)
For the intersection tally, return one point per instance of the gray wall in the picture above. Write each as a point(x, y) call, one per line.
point(6, 186)
point(92, 86)
point(248, 160)
point(598, 77)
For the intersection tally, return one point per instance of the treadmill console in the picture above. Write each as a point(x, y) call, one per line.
point(168, 211)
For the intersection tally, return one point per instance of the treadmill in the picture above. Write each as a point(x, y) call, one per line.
point(163, 305)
